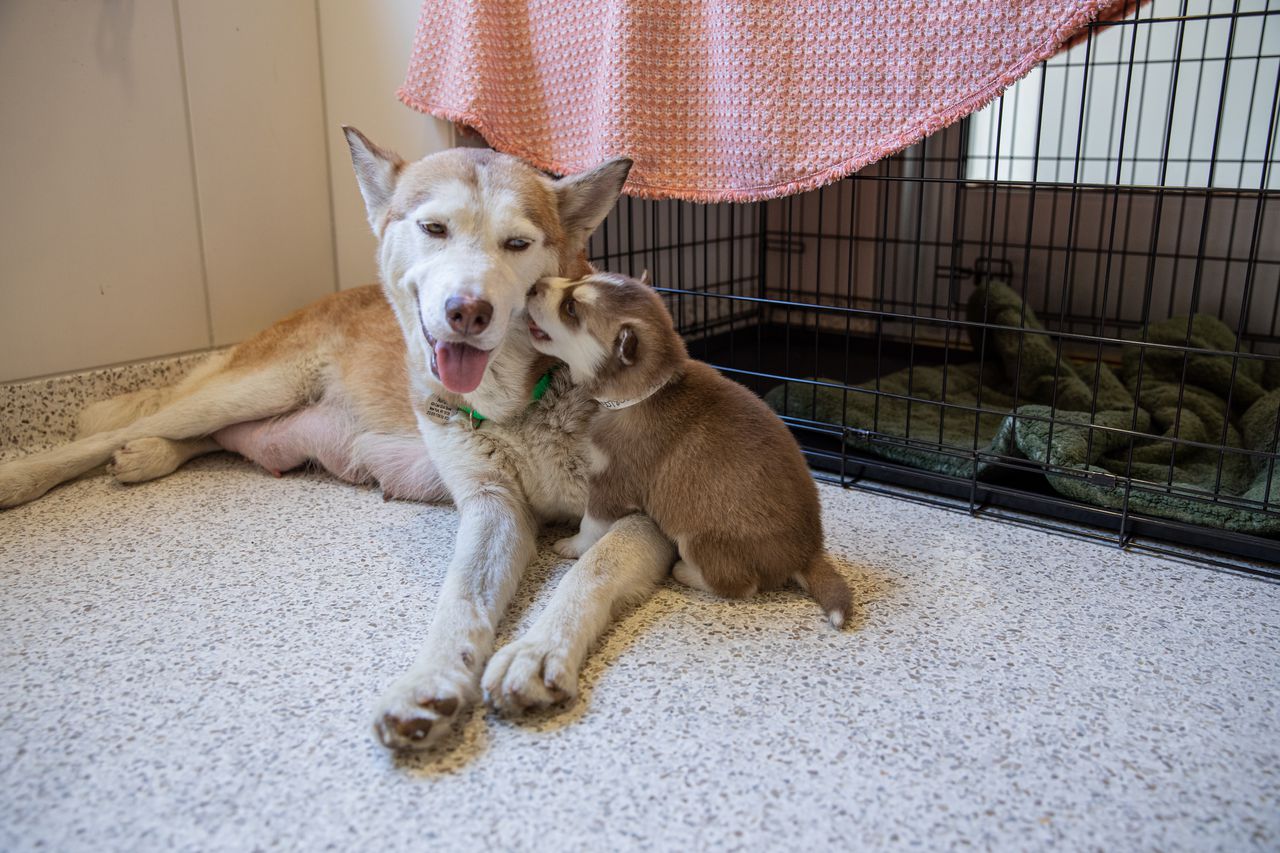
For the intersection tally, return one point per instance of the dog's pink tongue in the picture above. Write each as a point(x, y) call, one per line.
point(461, 367)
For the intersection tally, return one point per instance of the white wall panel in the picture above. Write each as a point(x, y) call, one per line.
point(175, 174)
point(257, 120)
point(366, 51)
point(99, 249)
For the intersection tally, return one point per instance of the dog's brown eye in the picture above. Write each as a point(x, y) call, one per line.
point(517, 244)
point(435, 229)
point(570, 307)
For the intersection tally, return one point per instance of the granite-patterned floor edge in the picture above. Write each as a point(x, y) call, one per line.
point(37, 413)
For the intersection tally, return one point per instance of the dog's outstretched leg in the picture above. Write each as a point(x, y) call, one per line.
point(495, 544)
point(113, 413)
point(123, 409)
point(225, 398)
point(541, 667)
point(148, 458)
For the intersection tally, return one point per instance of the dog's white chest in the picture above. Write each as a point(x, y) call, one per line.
point(546, 453)
point(555, 459)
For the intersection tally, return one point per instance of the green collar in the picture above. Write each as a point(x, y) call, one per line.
point(539, 390)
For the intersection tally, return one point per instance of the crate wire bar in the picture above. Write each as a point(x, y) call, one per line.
point(1057, 243)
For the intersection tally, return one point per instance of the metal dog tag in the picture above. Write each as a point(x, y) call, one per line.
point(439, 409)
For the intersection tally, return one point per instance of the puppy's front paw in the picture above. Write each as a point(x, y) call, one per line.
point(530, 673)
point(420, 708)
point(568, 547)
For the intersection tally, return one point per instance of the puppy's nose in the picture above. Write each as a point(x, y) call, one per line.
point(538, 287)
point(468, 316)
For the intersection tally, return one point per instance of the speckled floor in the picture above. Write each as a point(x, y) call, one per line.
point(188, 665)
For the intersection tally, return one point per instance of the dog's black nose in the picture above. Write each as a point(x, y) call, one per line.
point(468, 316)
point(532, 291)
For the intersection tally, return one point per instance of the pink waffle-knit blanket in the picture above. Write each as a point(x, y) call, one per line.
point(720, 100)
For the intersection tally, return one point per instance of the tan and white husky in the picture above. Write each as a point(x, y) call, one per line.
point(427, 387)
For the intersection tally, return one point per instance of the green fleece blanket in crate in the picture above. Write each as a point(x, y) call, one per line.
point(1078, 416)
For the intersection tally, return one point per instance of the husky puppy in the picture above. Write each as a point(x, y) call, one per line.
point(699, 454)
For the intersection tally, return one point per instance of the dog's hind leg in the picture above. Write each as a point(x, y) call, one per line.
point(148, 458)
point(690, 574)
point(222, 399)
point(716, 566)
point(124, 409)
point(115, 412)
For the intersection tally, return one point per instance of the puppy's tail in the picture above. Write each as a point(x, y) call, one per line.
point(828, 588)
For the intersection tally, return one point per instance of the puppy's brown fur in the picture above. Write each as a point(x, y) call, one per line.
point(700, 454)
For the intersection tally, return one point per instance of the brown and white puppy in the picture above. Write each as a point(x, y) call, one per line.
point(702, 456)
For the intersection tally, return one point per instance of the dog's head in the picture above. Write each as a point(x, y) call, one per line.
point(463, 234)
point(613, 332)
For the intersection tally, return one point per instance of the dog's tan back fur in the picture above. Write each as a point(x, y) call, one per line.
point(702, 455)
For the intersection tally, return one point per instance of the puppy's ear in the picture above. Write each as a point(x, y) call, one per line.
point(626, 345)
point(644, 278)
point(376, 171)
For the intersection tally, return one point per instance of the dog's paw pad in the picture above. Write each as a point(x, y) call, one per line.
point(419, 710)
point(394, 732)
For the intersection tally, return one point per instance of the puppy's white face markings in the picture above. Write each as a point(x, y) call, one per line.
point(471, 256)
point(573, 344)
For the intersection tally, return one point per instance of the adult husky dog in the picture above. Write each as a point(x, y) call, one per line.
point(364, 382)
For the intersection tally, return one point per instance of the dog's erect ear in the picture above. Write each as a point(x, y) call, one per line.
point(376, 171)
point(626, 345)
point(586, 198)
point(644, 278)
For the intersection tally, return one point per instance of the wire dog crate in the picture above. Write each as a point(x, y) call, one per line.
point(1066, 307)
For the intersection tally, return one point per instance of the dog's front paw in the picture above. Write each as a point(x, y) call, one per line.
point(568, 547)
point(420, 708)
point(529, 673)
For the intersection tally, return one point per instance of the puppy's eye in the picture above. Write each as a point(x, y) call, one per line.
point(434, 229)
point(570, 307)
point(517, 244)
